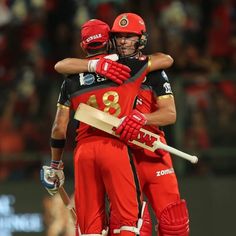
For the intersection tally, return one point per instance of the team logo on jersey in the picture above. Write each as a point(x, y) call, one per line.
point(89, 79)
point(167, 87)
point(124, 21)
point(164, 75)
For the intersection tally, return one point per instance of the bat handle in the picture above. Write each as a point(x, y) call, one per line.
point(67, 202)
point(192, 159)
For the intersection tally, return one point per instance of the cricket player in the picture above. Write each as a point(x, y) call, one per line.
point(156, 102)
point(156, 173)
point(102, 163)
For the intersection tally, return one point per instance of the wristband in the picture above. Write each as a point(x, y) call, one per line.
point(92, 65)
point(57, 143)
point(55, 164)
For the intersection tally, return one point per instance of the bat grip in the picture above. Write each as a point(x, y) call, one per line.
point(67, 202)
point(192, 159)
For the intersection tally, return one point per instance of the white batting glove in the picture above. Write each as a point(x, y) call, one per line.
point(52, 179)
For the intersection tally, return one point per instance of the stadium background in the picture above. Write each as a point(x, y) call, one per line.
point(200, 36)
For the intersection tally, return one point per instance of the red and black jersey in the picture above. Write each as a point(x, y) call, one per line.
point(103, 94)
point(156, 85)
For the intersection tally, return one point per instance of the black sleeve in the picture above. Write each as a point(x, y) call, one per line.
point(159, 82)
point(63, 98)
point(69, 86)
point(134, 64)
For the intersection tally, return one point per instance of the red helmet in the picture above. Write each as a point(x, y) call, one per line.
point(129, 23)
point(94, 31)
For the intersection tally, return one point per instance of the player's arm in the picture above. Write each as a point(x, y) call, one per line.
point(52, 177)
point(161, 87)
point(109, 68)
point(71, 66)
point(166, 113)
point(75, 65)
point(159, 61)
point(58, 131)
point(106, 66)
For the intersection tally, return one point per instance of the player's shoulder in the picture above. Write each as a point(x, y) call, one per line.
point(157, 74)
point(135, 59)
point(134, 63)
point(156, 78)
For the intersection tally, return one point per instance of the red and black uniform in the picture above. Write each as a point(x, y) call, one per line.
point(156, 173)
point(102, 163)
point(155, 170)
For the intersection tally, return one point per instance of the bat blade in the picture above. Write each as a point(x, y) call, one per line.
point(106, 122)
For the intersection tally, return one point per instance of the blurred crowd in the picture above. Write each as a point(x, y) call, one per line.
point(34, 34)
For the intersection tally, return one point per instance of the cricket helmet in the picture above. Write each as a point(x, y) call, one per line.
point(130, 23)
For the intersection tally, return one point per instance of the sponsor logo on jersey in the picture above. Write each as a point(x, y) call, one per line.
point(100, 79)
point(164, 75)
point(167, 87)
point(165, 172)
point(89, 79)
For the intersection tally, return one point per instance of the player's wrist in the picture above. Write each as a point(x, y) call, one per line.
point(57, 143)
point(57, 164)
point(144, 118)
point(92, 65)
point(139, 117)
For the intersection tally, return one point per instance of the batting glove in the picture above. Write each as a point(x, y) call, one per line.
point(109, 68)
point(131, 125)
point(52, 177)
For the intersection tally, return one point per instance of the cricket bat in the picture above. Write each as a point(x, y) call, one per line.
point(67, 202)
point(106, 122)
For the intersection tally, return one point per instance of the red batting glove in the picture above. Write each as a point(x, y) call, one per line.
point(112, 70)
point(131, 125)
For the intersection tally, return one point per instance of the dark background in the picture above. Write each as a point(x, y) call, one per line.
point(200, 36)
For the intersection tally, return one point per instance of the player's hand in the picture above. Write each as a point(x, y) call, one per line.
point(109, 68)
point(52, 178)
point(113, 70)
point(131, 125)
